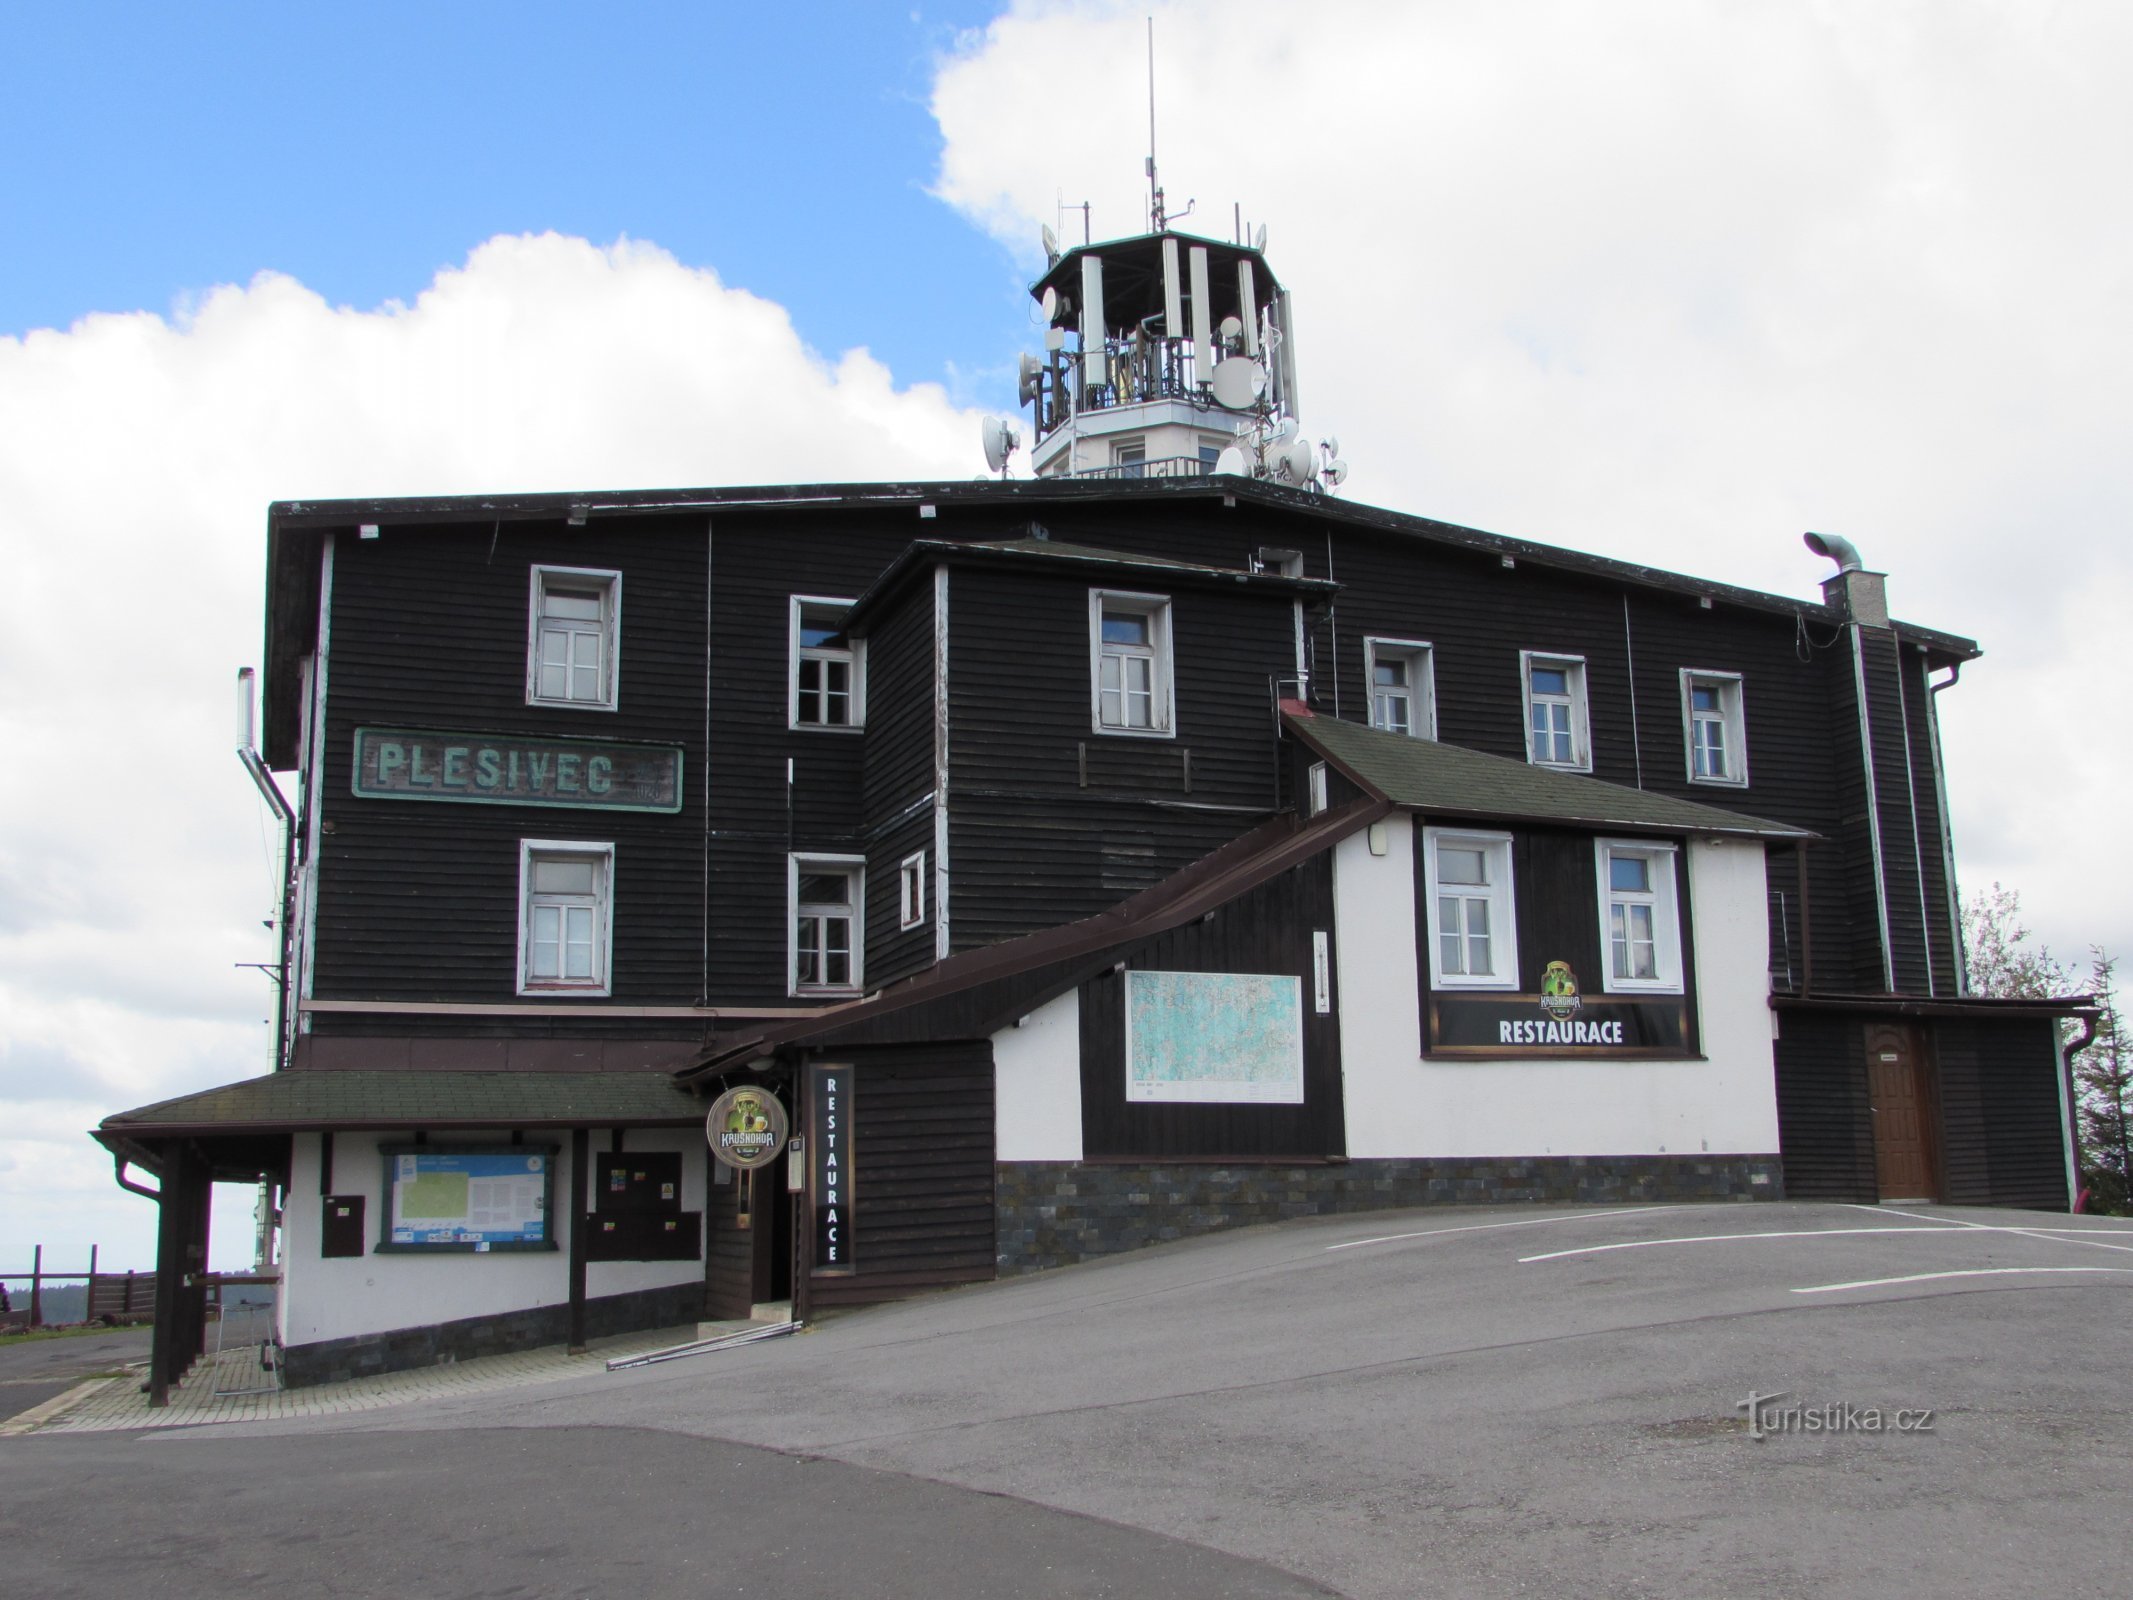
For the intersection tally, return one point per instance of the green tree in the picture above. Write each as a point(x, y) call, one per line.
point(2003, 963)
point(2103, 1077)
point(1998, 955)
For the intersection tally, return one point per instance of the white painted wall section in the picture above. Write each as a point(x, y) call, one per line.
point(1037, 1084)
point(356, 1295)
point(1402, 1105)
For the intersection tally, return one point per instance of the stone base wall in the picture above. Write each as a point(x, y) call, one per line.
point(336, 1360)
point(1053, 1213)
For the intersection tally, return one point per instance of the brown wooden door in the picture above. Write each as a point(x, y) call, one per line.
point(1903, 1142)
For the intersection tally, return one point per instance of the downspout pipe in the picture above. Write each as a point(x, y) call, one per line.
point(2070, 1109)
point(126, 1183)
point(248, 754)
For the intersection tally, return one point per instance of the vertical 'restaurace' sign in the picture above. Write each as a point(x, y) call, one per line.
point(829, 1163)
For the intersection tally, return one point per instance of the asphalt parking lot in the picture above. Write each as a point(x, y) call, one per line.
point(1535, 1402)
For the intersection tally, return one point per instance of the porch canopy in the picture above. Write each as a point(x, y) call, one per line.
point(239, 1133)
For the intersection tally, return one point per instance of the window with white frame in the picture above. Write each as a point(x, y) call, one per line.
point(566, 914)
point(1640, 918)
point(1130, 456)
point(826, 896)
point(1473, 940)
point(573, 638)
point(826, 681)
point(1714, 727)
point(1558, 731)
point(1129, 647)
point(1403, 687)
point(911, 890)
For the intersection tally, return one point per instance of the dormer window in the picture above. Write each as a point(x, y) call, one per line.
point(1129, 646)
point(826, 677)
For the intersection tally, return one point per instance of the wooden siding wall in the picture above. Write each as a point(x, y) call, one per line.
point(1999, 1104)
point(420, 901)
point(1267, 930)
point(897, 788)
point(1555, 887)
point(758, 564)
point(1893, 789)
point(922, 1172)
point(1825, 1124)
point(1030, 844)
point(1940, 934)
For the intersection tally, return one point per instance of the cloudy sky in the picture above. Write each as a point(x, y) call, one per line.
point(1662, 280)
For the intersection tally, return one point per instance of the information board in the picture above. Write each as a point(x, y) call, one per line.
point(468, 1197)
point(1214, 1037)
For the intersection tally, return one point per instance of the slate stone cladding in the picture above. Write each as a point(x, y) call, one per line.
point(1054, 1213)
point(404, 1349)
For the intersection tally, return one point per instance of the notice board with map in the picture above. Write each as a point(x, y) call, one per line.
point(1214, 1037)
point(468, 1197)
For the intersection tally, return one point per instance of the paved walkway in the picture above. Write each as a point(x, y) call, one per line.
point(210, 1394)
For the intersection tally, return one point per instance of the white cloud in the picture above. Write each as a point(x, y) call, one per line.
point(1675, 284)
point(142, 451)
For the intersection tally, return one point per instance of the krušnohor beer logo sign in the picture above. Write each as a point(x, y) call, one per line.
point(746, 1128)
point(1559, 1001)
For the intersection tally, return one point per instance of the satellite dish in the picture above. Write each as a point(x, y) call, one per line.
point(1232, 462)
point(1000, 440)
point(1259, 239)
point(1336, 473)
point(1050, 305)
point(1051, 243)
point(1027, 372)
point(1238, 383)
point(1231, 328)
point(1332, 446)
point(1290, 461)
point(1285, 431)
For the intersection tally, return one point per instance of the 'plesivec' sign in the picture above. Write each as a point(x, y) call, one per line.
point(516, 770)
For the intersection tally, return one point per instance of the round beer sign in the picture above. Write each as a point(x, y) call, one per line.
point(746, 1128)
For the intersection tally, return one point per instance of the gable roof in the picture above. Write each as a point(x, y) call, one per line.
point(1038, 551)
point(974, 994)
point(293, 1102)
point(1449, 780)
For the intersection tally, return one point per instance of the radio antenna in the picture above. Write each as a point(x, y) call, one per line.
point(1155, 189)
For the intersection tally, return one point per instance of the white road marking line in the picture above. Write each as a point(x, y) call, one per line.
point(1973, 1272)
point(1484, 1227)
point(1727, 1238)
point(2041, 1235)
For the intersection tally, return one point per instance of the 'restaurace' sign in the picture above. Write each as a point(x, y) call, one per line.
point(829, 1167)
point(1558, 1021)
point(510, 769)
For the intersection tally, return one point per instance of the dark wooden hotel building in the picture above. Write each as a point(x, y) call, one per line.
point(1155, 844)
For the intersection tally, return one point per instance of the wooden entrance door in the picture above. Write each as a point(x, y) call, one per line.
point(1903, 1141)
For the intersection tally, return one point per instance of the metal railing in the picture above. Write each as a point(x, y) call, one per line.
point(1161, 467)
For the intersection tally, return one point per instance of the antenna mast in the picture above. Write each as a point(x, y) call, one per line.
point(1155, 190)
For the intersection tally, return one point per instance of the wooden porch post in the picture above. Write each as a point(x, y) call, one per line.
point(580, 1203)
point(170, 1269)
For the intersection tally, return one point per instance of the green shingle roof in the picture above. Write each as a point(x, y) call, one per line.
point(1428, 776)
point(293, 1101)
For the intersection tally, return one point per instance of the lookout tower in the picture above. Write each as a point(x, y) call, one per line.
point(1165, 355)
